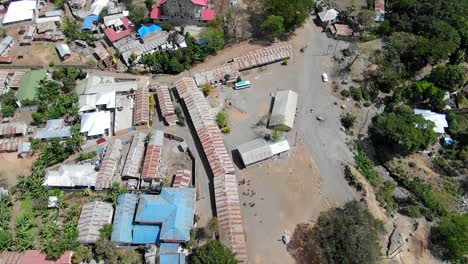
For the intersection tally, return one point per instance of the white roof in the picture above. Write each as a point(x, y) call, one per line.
point(113, 20)
point(89, 102)
point(95, 123)
point(71, 175)
point(439, 120)
point(97, 6)
point(63, 49)
point(260, 149)
point(327, 15)
point(20, 11)
point(284, 108)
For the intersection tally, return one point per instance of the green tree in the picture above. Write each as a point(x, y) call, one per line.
point(60, 4)
point(421, 93)
point(348, 121)
point(452, 236)
point(82, 254)
point(114, 192)
point(104, 12)
point(6, 239)
point(403, 130)
point(138, 13)
point(213, 252)
point(8, 103)
point(214, 39)
point(207, 90)
point(222, 119)
point(106, 231)
point(294, 13)
point(348, 234)
point(273, 25)
point(175, 66)
point(448, 77)
point(149, 4)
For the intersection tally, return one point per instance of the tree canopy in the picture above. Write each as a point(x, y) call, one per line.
point(448, 77)
point(213, 252)
point(214, 39)
point(452, 236)
point(274, 25)
point(402, 130)
point(294, 13)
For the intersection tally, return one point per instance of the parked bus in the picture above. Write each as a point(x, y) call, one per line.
point(242, 85)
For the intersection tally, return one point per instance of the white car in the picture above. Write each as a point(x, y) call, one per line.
point(324, 77)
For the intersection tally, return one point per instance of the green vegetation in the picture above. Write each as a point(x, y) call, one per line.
point(452, 236)
point(86, 155)
point(448, 77)
point(68, 76)
point(276, 135)
point(421, 94)
point(351, 178)
point(149, 4)
point(8, 104)
point(213, 252)
point(114, 192)
point(293, 13)
point(214, 39)
point(108, 251)
point(402, 130)
point(411, 211)
point(5, 211)
point(30, 85)
point(222, 119)
point(6, 239)
point(138, 13)
point(274, 25)
point(207, 90)
point(348, 120)
point(180, 116)
point(72, 30)
point(346, 235)
point(82, 254)
point(106, 231)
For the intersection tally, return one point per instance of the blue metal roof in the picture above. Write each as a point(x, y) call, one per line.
point(173, 208)
point(169, 248)
point(89, 21)
point(123, 218)
point(146, 234)
point(52, 13)
point(178, 258)
point(148, 29)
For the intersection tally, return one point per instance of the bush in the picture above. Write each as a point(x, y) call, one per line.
point(226, 130)
point(452, 236)
point(6, 239)
point(207, 90)
point(348, 121)
point(276, 135)
point(285, 62)
point(412, 211)
point(351, 178)
point(222, 119)
point(345, 93)
point(367, 104)
point(86, 155)
point(213, 252)
point(366, 167)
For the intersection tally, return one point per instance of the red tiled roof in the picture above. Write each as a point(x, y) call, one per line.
point(162, 2)
point(113, 35)
point(141, 114)
point(200, 2)
point(33, 256)
point(264, 56)
point(155, 13)
point(208, 14)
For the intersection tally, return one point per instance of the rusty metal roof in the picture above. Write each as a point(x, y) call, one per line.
point(93, 217)
point(141, 112)
point(217, 74)
point(109, 166)
point(135, 156)
point(9, 144)
point(264, 56)
point(153, 156)
point(13, 129)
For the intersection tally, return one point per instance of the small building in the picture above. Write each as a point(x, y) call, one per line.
point(284, 110)
point(170, 253)
point(33, 256)
point(55, 128)
point(93, 217)
point(380, 9)
point(96, 124)
point(14, 81)
point(6, 44)
point(183, 179)
point(5, 59)
point(155, 13)
point(13, 129)
point(9, 144)
point(97, 6)
point(114, 33)
point(29, 85)
point(152, 157)
point(103, 84)
point(150, 219)
point(110, 164)
point(264, 56)
point(24, 149)
point(144, 30)
point(166, 106)
point(54, 13)
point(327, 17)
point(20, 11)
point(259, 149)
point(225, 73)
point(182, 12)
point(52, 202)
point(90, 23)
point(134, 159)
point(141, 116)
point(342, 32)
point(64, 51)
point(439, 120)
point(72, 176)
point(96, 102)
point(104, 58)
point(208, 15)
point(123, 115)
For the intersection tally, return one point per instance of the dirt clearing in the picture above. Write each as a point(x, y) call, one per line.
point(11, 166)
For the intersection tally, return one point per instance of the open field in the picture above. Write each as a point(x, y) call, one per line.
point(11, 166)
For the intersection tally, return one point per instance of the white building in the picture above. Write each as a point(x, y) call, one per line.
point(20, 11)
point(259, 149)
point(439, 120)
point(71, 176)
point(93, 102)
point(96, 124)
point(284, 110)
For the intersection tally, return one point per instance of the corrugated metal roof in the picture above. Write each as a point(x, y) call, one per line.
point(178, 258)
point(35, 257)
point(71, 175)
point(93, 217)
point(55, 128)
point(109, 166)
point(182, 179)
point(13, 129)
point(259, 149)
point(63, 50)
point(217, 74)
point(226, 192)
point(173, 209)
point(123, 219)
point(264, 56)
point(166, 105)
point(146, 234)
point(141, 111)
point(6, 42)
point(16, 79)
point(169, 248)
point(153, 155)
point(284, 109)
point(135, 156)
point(9, 144)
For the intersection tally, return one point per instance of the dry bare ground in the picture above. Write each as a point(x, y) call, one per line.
point(11, 166)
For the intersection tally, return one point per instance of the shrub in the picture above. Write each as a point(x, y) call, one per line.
point(285, 62)
point(348, 120)
point(351, 178)
point(276, 135)
point(226, 130)
point(452, 236)
point(366, 167)
point(345, 93)
point(367, 104)
point(207, 90)
point(222, 119)
point(412, 164)
point(86, 155)
point(412, 211)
